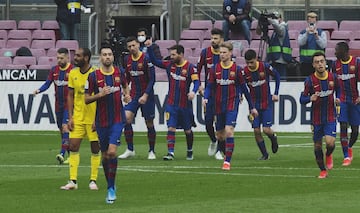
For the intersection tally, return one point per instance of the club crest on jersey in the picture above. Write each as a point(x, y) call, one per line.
point(140, 65)
point(331, 83)
point(232, 74)
point(184, 72)
point(117, 79)
point(262, 74)
point(352, 68)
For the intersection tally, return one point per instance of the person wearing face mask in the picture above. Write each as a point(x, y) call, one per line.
point(279, 51)
point(142, 36)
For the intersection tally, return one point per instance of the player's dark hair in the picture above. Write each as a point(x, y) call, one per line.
point(318, 54)
point(217, 31)
point(179, 48)
point(250, 54)
point(131, 38)
point(343, 46)
point(143, 29)
point(63, 51)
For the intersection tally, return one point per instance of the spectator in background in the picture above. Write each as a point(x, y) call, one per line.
point(319, 89)
point(236, 15)
point(68, 16)
point(23, 51)
point(311, 40)
point(142, 36)
point(279, 51)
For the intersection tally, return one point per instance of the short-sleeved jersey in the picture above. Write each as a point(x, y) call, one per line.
point(208, 58)
point(258, 81)
point(180, 78)
point(348, 76)
point(109, 109)
point(227, 82)
point(140, 74)
point(323, 109)
point(60, 78)
point(83, 113)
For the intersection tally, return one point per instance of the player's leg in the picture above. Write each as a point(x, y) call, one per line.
point(354, 121)
point(319, 154)
point(95, 156)
point(330, 135)
point(209, 125)
point(75, 138)
point(61, 121)
point(129, 133)
point(148, 112)
point(343, 118)
point(171, 116)
point(185, 120)
point(267, 119)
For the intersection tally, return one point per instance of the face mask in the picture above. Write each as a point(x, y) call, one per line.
point(141, 39)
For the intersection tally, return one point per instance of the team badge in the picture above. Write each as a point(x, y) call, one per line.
point(232, 74)
point(117, 79)
point(352, 68)
point(184, 72)
point(262, 74)
point(331, 83)
point(140, 65)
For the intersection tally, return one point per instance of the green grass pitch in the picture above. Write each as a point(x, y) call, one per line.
point(30, 178)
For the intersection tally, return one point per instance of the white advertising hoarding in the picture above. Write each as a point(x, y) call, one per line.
point(19, 110)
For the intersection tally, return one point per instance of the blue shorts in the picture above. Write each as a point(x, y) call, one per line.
point(62, 118)
point(349, 113)
point(110, 135)
point(210, 111)
point(177, 117)
point(147, 109)
point(226, 119)
point(320, 131)
point(265, 118)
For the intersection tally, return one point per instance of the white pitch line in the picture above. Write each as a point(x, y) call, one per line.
point(172, 169)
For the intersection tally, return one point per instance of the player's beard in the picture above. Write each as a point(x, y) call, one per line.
point(80, 63)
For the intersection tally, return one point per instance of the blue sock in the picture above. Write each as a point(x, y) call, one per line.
point(129, 135)
point(262, 148)
point(64, 143)
point(112, 172)
point(229, 148)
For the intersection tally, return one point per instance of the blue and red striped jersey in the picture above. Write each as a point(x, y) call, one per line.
point(60, 78)
point(208, 58)
point(323, 109)
point(258, 81)
point(348, 76)
point(140, 74)
point(226, 82)
point(180, 78)
point(109, 109)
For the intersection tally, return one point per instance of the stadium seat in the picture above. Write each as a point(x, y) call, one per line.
point(193, 60)
point(3, 38)
point(18, 43)
point(293, 34)
point(240, 61)
point(354, 44)
point(52, 52)
point(255, 44)
point(329, 25)
point(164, 52)
point(197, 52)
point(43, 35)
point(50, 25)
point(294, 43)
point(7, 50)
point(349, 25)
point(207, 35)
point(160, 74)
point(8, 25)
point(15, 66)
point(45, 60)
point(29, 25)
point(218, 24)
point(190, 43)
point(201, 25)
point(188, 52)
point(38, 52)
point(24, 60)
point(165, 43)
point(332, 43)
point(330, 52)
point(298, 25)
point(356, 35)
point(19, 34)
point(45, 44)
point(341, 35)
point(295, 52)
point(69, 44)
point(206, 43)
point(192, 35)
point(40, 67)
point(5, 61)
